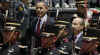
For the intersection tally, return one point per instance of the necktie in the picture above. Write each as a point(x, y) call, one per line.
point(38, 28)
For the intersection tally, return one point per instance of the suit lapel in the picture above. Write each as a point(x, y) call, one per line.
point(44, 25)
point(33, 24)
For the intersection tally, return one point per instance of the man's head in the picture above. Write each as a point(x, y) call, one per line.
point(78, 24)
point(41, 9)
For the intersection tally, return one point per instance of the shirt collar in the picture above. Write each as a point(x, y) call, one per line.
point(44, 18)
point(78, 36)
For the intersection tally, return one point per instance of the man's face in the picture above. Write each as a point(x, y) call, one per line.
point(76, 24)
point(41, 9)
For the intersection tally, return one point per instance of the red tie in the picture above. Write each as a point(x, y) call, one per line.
point(38, 28)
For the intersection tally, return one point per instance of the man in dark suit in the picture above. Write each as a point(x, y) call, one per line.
point(77, 33)
point(39, 24)
point(78, 26)
point(45, 20)
point(74, 40)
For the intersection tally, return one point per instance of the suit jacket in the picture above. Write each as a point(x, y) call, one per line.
point(79, 42)
point(29, 31)
point(46, 27)
point(69, 43)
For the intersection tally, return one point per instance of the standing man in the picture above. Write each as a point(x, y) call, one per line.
point(42, 22)
point(39, 24)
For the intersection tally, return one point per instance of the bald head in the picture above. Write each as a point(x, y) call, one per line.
point(79, 20)
point(78, 24)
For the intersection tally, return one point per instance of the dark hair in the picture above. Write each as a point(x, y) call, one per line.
point(46, 4)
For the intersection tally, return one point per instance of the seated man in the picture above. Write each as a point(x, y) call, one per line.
point(78, 26)
point(74, 38)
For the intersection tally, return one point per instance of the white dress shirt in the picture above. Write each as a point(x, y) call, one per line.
point(43, 20)
point(78, 36)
